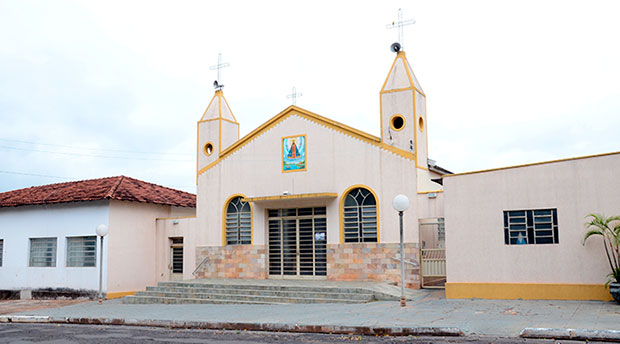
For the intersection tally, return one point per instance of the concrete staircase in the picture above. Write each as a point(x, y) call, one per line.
point(248, 293)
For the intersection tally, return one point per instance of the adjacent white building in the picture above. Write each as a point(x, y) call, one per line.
point(48, 240)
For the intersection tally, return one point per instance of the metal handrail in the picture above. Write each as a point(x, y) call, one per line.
point(200, 265)
point(406, 261)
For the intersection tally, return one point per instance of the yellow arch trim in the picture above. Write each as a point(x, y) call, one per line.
point(230, 198)
point(341, 209)
point(294, 110)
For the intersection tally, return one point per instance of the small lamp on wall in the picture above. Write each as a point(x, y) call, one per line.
point(400, 204)
point(102, 230)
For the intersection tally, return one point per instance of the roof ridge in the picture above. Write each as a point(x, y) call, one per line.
point(60, 183)
point(112, 191)
point(159, 186)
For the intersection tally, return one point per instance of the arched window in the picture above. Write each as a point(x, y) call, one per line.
point(238, 222)
point(360, 216)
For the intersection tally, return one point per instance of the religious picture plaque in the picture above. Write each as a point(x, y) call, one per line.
point(294, 153)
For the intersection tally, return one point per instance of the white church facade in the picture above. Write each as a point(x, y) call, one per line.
point(303, 196)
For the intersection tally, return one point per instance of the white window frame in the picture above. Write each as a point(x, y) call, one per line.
point(78, 254)
point(52, 257)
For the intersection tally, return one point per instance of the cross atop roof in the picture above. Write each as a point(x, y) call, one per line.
point(219, 67)
point(294, 95)
point(399, 25)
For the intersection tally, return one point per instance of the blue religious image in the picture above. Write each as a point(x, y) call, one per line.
point(294, 153)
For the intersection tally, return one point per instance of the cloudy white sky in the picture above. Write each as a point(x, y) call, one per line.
point(94, 89)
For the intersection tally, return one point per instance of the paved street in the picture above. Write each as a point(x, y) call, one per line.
point(53, 334)
point(502, 318)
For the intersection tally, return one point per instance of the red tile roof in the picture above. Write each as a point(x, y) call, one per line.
point(118, 188)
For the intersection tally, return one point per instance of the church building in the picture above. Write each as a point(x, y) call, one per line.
point(304, 196)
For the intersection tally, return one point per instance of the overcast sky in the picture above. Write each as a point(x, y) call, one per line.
point(96, 89)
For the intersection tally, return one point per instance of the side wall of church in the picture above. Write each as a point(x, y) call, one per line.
point(475, 230)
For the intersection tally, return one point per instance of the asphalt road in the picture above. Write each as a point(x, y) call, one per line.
point(56, 334)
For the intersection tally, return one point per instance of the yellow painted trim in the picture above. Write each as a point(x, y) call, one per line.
point(231, 112)
point(208, 106)
point(343, 196)
point(204, 148)
point(289, 197)
point(427, 192)
point(399, 55)
point(175, 217)
point(305, 149)
point(294, 110)
point(532, 164)
point(398, 90)
point(392, 120)
point(218, 119)
point(230, 198)
point(527, 291)
point(119, 294)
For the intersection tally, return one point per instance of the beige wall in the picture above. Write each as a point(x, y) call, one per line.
point(474, 205)
point(335, 162)
point(132, 243)
point(166, 228)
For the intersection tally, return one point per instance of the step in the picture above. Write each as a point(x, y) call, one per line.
point(279, 299)
point(149, 297)
point(262, 287)
point(359, 294)
point(172, 300)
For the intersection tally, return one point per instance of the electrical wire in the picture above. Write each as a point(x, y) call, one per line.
point(93, 155)
point(92, 149)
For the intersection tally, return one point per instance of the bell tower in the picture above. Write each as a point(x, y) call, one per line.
point(403, 110)
point(217, 130)
point(403, 114)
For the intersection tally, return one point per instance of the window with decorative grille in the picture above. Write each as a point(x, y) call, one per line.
point(360, 216)
point(531, 227)
point(238, 222)
point(177, 255)
point(82, 251)
point(42, 252)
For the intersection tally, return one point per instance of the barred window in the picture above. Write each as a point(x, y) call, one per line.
point(360, 216)
point(42, 252)
point(1, 250)
point(238, 222)
point(81, 251)
point(530, 227)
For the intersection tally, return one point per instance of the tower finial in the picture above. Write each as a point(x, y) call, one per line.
point(399, 25)
point(218, 82)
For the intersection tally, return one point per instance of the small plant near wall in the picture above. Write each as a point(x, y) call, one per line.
point(609, 229)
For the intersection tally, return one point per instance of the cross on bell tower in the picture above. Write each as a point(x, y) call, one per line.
point(218, 82)
point(399, 25)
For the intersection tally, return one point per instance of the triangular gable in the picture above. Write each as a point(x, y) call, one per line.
point(297, 111)
point(401, 76)
point(218, 108)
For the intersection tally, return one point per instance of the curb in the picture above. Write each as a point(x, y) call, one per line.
point(556, 333)
point(270, 327)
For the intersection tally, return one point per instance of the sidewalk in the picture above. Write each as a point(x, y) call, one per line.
point(428, 309)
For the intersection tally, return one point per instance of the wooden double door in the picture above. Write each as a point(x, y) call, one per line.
point(297, 242)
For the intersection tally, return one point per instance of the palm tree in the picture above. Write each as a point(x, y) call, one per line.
point(609, 229)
